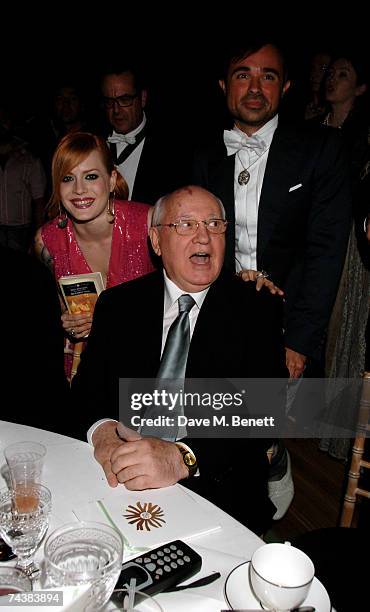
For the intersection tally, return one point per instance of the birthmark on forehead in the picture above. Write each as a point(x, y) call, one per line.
point(191, 197)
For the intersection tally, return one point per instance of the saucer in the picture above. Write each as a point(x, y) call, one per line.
point(238, 592)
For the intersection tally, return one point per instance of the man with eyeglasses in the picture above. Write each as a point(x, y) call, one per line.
point(234, 332)
point(142, 153)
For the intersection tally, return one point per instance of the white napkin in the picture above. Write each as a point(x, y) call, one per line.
point(150, 518)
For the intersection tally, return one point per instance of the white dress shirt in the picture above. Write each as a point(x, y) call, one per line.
point(170, 312)
point(171, 306)
point(129, 167)
point(247, 196)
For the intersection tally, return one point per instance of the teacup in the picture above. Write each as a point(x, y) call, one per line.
point(281, 576)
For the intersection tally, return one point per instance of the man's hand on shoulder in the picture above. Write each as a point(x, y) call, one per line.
point(146, 463)
point(105, 441)
point(261, 279)
point(295, 362)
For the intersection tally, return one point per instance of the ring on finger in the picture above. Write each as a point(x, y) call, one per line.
point(72, 332)
point(262, 274)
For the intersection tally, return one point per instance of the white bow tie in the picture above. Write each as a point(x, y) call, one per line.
point(121, 139)
point(235, 141)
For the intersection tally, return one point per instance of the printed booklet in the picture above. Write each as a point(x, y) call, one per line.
point(80, 291)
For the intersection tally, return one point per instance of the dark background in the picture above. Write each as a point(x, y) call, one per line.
point(179, 49)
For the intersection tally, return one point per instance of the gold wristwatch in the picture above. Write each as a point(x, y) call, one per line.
point(189, 458)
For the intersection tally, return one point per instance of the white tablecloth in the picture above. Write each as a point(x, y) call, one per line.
point(74, 478)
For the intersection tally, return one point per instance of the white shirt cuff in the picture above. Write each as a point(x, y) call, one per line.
point(90, 432)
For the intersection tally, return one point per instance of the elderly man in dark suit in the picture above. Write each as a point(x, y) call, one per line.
point(235, 332)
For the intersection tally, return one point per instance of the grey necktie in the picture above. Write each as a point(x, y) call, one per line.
point(172, 369)
point(175, 352)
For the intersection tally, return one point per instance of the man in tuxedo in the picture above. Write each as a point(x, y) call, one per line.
point(143, 154)
point(286, 194)
point(234, 332)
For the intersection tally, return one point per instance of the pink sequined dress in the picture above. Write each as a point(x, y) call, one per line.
point(129, 256)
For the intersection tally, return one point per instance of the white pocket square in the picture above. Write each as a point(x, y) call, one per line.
point(295, 187)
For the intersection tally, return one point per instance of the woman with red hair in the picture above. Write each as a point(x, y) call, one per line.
point(93, 228)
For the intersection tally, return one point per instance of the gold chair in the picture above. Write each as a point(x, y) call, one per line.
point(353, 490)
point(77, 350)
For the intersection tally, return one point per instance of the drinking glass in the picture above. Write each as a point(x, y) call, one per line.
point(84, 553)
point(25, 462)
point(13, 580)
point(24, 520)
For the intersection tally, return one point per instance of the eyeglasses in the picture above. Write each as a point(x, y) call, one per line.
point(122, 101)
point(188, 227)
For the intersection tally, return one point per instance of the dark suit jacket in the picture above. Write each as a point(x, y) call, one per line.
point(302, 234)
point(163, 167)
point(34, 390)
point(237, 334)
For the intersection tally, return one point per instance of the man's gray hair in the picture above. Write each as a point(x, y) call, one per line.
point(160, 207)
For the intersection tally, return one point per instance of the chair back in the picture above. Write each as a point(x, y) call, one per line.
point(358, 463)
point(77, 350)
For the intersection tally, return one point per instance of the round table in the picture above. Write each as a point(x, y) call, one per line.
point(75, 478)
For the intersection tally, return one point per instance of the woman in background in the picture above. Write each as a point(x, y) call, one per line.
point(346, 89)
point(316, 105)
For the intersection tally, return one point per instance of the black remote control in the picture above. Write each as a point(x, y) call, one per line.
point(159, 569)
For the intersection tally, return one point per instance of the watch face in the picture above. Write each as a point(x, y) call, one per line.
point(189, 459)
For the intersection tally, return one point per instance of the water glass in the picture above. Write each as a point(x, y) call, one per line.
point(84, 553)
point(25, 462)
point(24, 520)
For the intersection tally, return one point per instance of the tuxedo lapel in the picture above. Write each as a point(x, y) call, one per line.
point(221, 183)
point(281, 173)
point(153, 300)
point(162, 168)
point(199, 356)
point(211, 349)
point(145, 175)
